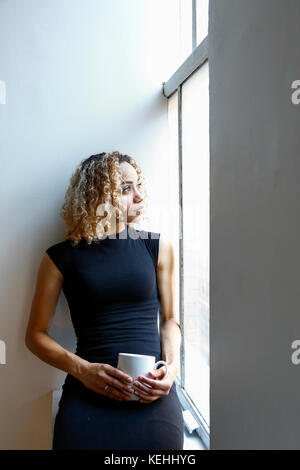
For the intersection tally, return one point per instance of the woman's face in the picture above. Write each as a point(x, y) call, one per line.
point(132, 197)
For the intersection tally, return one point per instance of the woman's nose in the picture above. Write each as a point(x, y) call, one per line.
point(138, 195)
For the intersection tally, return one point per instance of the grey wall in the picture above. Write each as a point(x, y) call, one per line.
point(254, 57)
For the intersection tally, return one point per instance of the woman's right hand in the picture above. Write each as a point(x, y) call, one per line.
point(97, 375)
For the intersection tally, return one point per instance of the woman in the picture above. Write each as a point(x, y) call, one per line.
point(113, 277)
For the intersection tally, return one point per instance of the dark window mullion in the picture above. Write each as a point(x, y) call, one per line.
point(194, 24)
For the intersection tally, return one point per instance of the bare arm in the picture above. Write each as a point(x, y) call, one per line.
point(171, 337)
point(37, 340)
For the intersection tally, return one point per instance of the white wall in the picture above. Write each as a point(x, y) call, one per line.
point(255, 231)
point(81, 77)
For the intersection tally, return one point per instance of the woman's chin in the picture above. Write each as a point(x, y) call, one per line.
point(134, 219)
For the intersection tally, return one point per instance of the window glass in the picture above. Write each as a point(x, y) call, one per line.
point(172, 228)
point(185, 29)
point(195, 193)
point(201, 19)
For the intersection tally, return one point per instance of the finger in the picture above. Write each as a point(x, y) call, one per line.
point(144, 388)
point(114, 393)
point(146, 396)
point(117, 373)
point(155, 384)
point(143, 392)
point(117, 384)
point(124, 386)
point(147, 400)
point(158, 373)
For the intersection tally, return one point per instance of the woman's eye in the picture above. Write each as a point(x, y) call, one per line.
point(128, 187)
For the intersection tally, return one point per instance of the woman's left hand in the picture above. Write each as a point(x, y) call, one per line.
point(160, 386)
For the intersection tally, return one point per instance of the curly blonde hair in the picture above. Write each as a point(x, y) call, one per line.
point(96, 180)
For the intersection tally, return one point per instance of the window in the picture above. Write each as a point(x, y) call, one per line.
point(188, 116)
point(201, 20)
point(195, 224)
point(193, 25)
point(186, 27)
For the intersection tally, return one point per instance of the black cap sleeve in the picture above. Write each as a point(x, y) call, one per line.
point(59, 254)
point(152, 243)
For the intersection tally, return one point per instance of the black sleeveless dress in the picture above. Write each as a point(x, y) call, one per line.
point(112, 293)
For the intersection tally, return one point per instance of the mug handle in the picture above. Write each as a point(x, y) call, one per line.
point(165, 364)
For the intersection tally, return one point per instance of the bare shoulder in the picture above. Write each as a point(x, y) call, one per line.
point(165, 252)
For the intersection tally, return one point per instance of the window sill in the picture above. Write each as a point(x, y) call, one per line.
point(192, 441)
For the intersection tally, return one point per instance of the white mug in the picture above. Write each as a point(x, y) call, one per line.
point(136, 365)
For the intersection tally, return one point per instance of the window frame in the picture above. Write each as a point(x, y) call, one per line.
point(194, 61)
